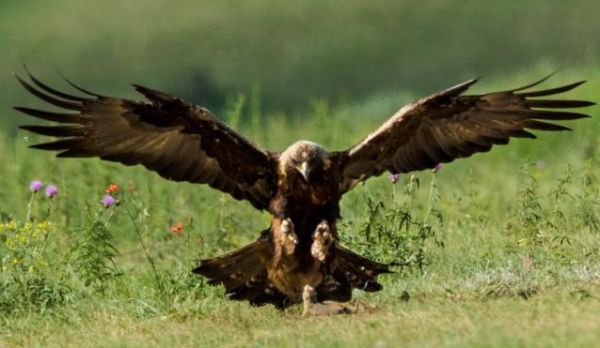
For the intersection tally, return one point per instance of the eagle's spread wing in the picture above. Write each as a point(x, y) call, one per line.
point(448, 125)
point(179, 141)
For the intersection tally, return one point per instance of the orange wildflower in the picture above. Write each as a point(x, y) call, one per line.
point(177, 228)
point(112, 188)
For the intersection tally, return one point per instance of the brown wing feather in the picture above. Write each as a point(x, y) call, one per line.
point(179, 141)
point(448, 125)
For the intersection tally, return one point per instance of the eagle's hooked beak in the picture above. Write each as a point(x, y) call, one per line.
point(304, 170)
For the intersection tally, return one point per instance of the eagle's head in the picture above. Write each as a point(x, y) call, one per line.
point(306, 158)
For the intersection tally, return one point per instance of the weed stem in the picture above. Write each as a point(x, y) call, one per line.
point(430, 199)
point(146, 253)
point(29, 207)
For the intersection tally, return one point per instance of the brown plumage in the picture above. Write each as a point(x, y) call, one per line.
point(301, 186)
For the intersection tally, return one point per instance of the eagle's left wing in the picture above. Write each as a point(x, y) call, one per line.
point(179, 141)
point(449, 125)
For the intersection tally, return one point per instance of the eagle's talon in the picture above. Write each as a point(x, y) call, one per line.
point(322, 228)
point(322, 240)
point(285, 238)
point(287, 228)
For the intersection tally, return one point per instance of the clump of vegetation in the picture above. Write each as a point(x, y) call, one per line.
point(25, 259)
point(25, 285)
point(588, 200)
point(546, 219)
point(94, 255)
point(396, 234)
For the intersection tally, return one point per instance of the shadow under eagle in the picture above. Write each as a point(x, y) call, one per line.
point(301, 186)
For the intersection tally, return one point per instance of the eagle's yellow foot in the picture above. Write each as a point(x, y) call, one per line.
point(322, 240)
point(314, 308)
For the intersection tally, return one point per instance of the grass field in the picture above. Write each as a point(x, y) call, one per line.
point(509, 255)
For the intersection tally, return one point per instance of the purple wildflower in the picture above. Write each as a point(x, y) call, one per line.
point(540, 165)
point(394, 178)
point(438, 167)
point(35, 186)
point(108, 201)
point(51, 191)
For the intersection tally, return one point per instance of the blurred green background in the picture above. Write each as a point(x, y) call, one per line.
point(288, 52)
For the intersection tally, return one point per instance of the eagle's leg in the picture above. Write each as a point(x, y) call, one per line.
point(323, 239)
point(343, 269)
point(312, 307)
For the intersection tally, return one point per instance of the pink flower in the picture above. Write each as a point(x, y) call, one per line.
point(394, 178)
point(108, 201)
point(51, 191)
point(438, 167)
point(35, 186)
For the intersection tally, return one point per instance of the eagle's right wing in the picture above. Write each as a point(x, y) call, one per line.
point(179, 141)
point(449, 125)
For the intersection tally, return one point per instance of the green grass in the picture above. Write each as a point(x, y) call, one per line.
point(554, 318)
point(499, 210)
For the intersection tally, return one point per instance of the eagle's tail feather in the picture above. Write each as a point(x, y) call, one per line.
point(231, 269)
point(243, 274)
point(354, 271)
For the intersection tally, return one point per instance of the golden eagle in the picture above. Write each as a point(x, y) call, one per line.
point(299, 255)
